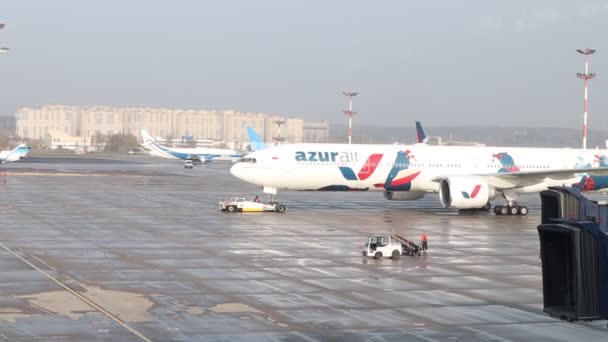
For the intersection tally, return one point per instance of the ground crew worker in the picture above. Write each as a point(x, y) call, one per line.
point(424, 241)
point(257, 199)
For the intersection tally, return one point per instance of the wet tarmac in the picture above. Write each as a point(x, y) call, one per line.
point(136, 250)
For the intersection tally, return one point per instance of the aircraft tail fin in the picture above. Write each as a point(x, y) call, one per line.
point(17, 153)
point(255, 141)
point(147, 138)
point(420, 132)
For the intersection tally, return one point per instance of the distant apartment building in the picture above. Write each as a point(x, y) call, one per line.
point(316, 132)
point(77, 125)
point(235, 123)
point(48, 122)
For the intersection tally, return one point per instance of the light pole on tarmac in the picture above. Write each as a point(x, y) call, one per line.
point(349, 113)
point(586, 76)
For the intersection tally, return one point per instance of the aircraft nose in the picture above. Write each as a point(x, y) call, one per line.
point(237, 170)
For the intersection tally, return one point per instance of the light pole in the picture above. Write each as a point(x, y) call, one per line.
point(349, 113)
point(279, 138)
point(586, 76)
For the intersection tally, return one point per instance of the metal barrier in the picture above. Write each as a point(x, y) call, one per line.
point(574, 253)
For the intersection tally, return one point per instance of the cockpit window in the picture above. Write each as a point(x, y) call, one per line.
point(249, 160)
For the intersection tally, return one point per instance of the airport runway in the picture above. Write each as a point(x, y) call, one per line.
point(136, 250)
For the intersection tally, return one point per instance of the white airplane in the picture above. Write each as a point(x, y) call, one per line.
point(15, 154)
point(197, 154)
point(466, 177)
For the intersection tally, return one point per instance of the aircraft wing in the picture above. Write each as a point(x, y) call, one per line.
point(509, 180)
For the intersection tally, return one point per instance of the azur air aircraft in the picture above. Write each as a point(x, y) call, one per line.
point(465, 177)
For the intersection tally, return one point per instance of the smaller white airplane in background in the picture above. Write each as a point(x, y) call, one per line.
point(200, 154)
point(15, 154)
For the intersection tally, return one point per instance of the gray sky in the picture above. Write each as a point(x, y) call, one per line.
point(447, 62)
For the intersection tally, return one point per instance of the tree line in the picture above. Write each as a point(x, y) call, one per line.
point(111, 143)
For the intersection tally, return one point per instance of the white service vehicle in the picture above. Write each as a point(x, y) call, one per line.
point(240, 204)
point(188, 164)
point(379, 245)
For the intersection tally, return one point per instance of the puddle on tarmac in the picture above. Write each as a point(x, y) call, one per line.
point(128, 306)
point(195, 310)
point(11, 314)
point(233, 307)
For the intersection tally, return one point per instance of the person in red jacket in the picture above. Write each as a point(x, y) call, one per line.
point(424, 241)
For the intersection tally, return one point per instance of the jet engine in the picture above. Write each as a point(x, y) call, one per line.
point(197, 159)
point(465, 192)
point(403, 195)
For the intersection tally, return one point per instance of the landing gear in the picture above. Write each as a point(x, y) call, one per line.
point(510, 207)
point(487, 207)
point(278, 207)
point(513, 210)
point(523, 211)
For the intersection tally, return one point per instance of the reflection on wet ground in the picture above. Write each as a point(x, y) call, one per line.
point(143, 242)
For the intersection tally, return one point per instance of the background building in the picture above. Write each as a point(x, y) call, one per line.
point(235, 123)
point(71, 125)
point(316, 132)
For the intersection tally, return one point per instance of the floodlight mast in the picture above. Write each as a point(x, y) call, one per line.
point(349, 113)
point(586, 76)
point(279, 138)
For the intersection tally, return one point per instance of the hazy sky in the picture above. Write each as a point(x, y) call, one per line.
point(444, 62)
